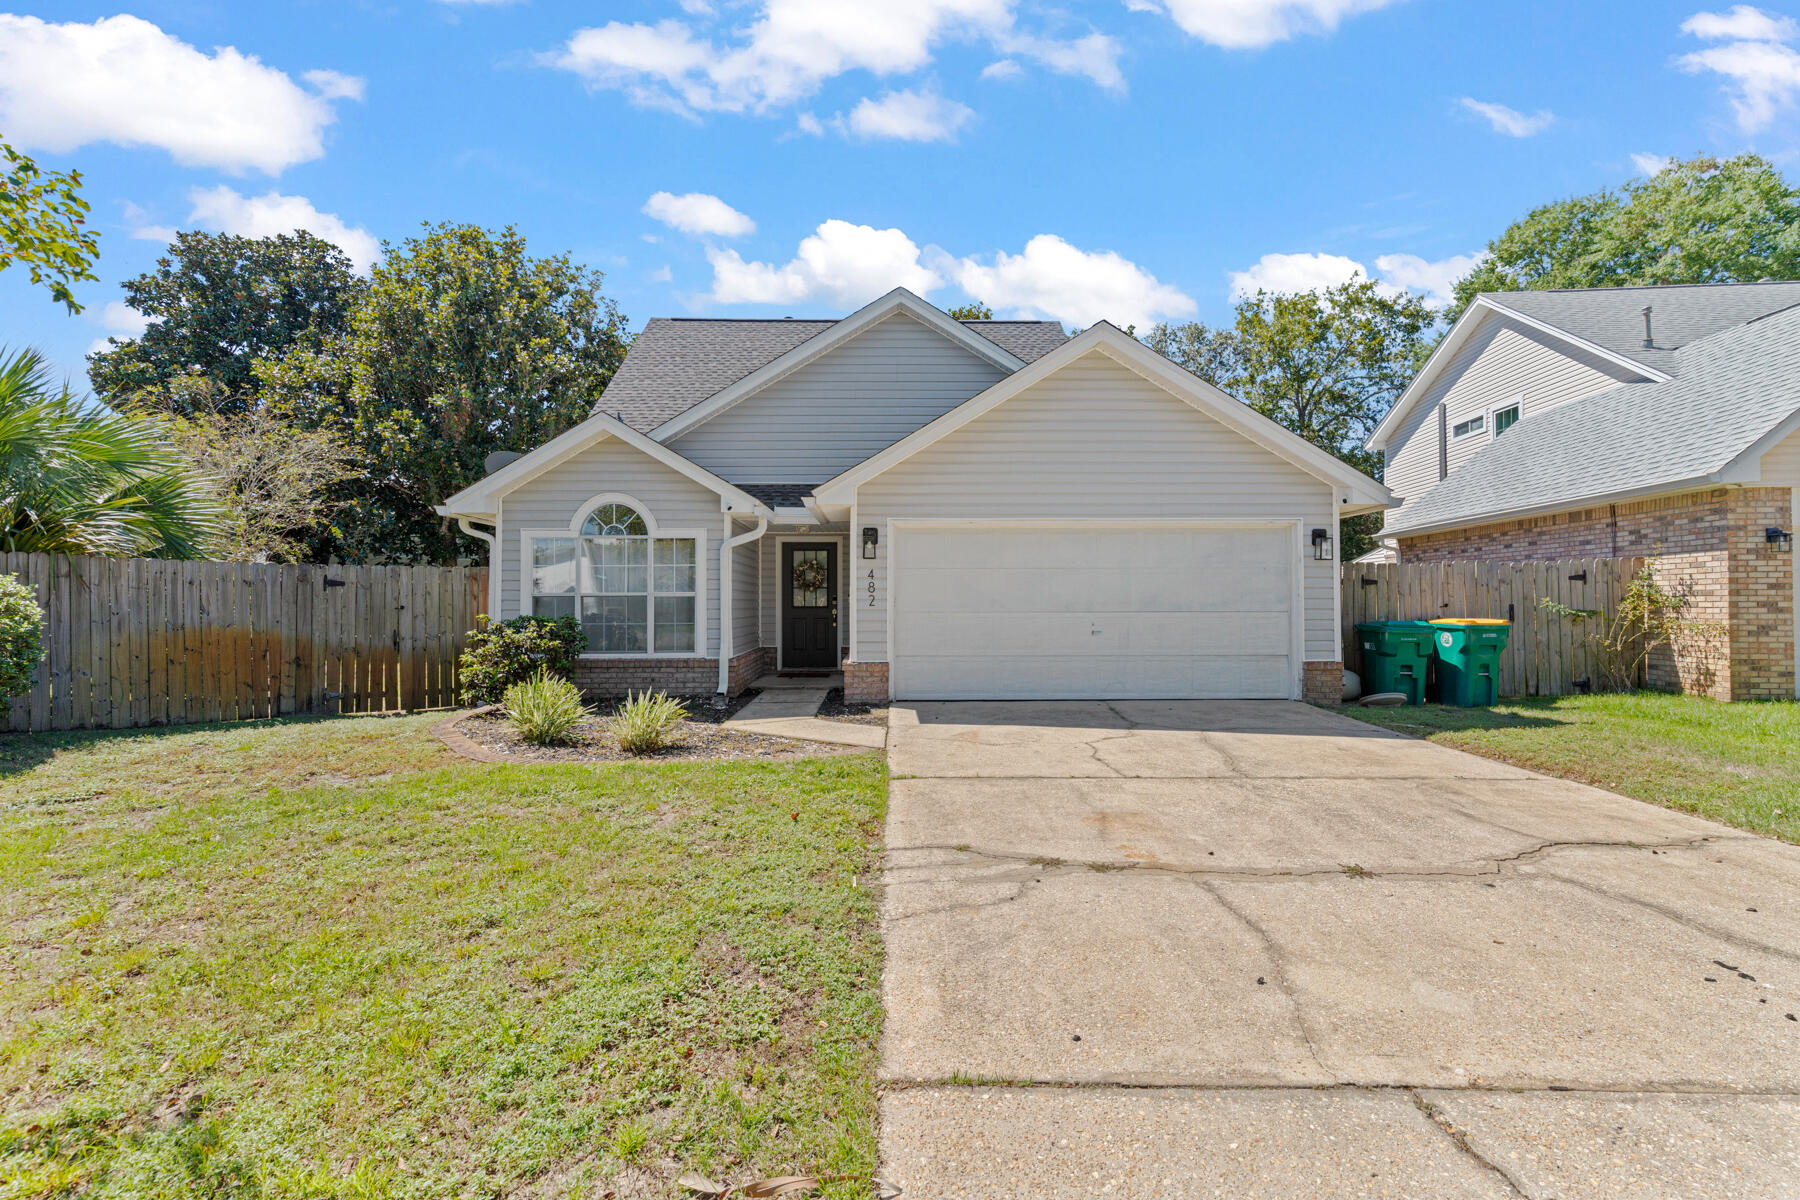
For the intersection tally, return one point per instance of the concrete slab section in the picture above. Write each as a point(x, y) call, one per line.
point(1080, 976)
point(1522, 982)
point(1747, 888)
point(1018, 1143)
point(1574, 1146)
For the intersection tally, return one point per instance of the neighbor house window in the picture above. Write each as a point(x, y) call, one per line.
point(1468, 428)
point(633, 593)
point(1505, 418)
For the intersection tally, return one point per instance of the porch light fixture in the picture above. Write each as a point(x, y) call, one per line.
point(870, 536)
point(1781, 539)
point(1321, 543)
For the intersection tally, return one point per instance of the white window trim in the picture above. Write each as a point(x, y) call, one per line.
point(1486, 424)
point(843, 545)
point(702, 622)
point(1517, 402)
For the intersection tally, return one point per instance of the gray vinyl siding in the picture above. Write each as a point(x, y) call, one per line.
point(1781, 463)
point(551, 500)
point(1503, 360)
point(746, 631)
point(836, 411)
point(1095, 440)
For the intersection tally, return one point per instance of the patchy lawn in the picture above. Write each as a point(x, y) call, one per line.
point(1736, 763)
point(317, 958)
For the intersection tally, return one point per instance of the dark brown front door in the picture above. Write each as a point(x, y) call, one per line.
point(809, 601)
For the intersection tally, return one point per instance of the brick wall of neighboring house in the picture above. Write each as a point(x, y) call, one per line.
point(1709, 545)
point(608, 677)
point(1322, 683)
point(865, 682)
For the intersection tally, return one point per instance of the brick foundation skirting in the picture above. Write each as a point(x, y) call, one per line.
point(605, 678)
point(865, 682)
point(1322, 683)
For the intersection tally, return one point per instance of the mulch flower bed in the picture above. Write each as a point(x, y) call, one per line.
point(701, 736)
point(834, 709)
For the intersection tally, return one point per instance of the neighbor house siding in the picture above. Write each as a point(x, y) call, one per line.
point(1095, 440)
point(1501, 361)
point(551, 500)
point(836, 411)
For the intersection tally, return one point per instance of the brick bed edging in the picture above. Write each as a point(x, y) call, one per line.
point(446, 732)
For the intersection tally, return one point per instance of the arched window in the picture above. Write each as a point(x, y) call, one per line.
point(632, 591)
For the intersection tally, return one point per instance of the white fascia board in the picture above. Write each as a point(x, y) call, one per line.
point(1461, 332)
point(484, 497)
point(1746, 465)
point(1105, 338)
point(897, 301)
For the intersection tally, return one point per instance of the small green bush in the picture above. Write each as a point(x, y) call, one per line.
point(21, 640)
point(503, 653)
point(544, 709)
point(647, 722)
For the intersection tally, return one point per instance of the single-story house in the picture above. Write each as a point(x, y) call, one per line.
point(1596, 423)
point(944, 509)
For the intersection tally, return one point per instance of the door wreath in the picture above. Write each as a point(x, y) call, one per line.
point(809, 575)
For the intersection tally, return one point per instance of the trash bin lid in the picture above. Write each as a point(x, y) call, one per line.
point(1469, 621)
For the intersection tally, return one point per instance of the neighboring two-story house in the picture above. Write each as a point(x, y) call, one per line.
point(1655, 421)
point(944, 509)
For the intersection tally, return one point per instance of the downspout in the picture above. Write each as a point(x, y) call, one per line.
point(725, 599)
point(493, 544)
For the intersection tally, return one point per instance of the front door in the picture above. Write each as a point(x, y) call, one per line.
point(809, 602)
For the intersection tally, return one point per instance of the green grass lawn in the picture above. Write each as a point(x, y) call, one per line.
point(1736, 763)
point(318, 958)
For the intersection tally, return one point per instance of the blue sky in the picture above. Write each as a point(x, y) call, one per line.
point(1132, 159)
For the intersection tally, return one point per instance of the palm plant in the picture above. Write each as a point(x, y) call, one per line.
point(76, 478)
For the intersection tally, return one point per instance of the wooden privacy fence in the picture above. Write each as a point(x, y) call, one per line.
point(134, 641)
point(1546, 654)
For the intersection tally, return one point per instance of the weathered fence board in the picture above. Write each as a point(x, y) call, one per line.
point(135, 642)
point(1546, 654)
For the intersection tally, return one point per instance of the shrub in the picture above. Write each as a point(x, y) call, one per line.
point(544, 708)
point(21, 640)
point(647, 722)
point(503, 653)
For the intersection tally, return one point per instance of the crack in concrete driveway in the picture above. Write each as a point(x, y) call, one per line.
point(1270, 897)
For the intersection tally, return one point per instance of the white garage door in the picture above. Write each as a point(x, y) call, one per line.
point(1107, 612)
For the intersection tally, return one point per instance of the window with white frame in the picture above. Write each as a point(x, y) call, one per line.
point(1505, 417)
point(1468, 428)
point(632, 591)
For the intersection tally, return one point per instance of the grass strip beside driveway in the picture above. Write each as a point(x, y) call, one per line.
point(324, 958)
point(1735, 763)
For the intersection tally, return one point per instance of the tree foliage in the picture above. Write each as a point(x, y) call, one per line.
point(43, 225)
point(1327, 365)
point(973, 311)
point(21, 640)
point(78, 479)
point(464, 344)
point(503, 653)
point(1705, 220)
point(217, 305)
point(276, 481)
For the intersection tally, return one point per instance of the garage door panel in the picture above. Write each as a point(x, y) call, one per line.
point(1106, 611)
point(1059, 677)
point(1088, 635)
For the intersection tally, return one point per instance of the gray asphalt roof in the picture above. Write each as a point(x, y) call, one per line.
point(1729, 390)
point(677, 362)
point(1679, 316)
point(780, 495)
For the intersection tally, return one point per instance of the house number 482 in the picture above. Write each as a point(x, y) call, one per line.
point(871, 587)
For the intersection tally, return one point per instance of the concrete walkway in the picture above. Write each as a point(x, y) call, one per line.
point(788, 707)
point(1281, 953)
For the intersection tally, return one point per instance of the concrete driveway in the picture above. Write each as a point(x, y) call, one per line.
point(1291, 955)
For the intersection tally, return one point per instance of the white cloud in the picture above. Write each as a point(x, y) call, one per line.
point(845, 264)
point(1055, 280)
point(1436, 280)
point(793, 46)
point(272, 213)
point(123, 80)
point(808, 124)
point(121, 321)
point(662, 274)
point(1761, 69)
point(1510, 121)
point(1251, 24)
point(1650, 164)
point(909, 117)
point(1395, 273)
point(699, 214)
point(1004, 68)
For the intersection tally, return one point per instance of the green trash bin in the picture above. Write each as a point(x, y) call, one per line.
point(1396, 655)
point(1468, 661)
